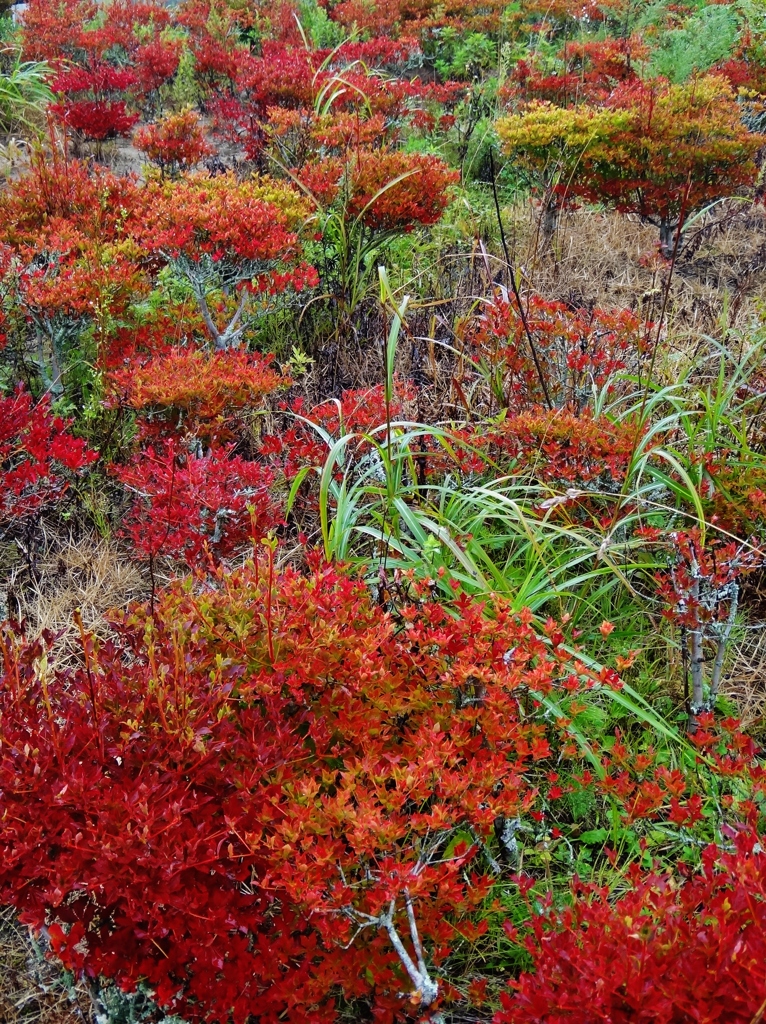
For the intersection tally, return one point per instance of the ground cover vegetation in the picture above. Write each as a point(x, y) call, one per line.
point(382, 511)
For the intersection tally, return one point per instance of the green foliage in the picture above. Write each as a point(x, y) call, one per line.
point(707, 38)
point(24, 93)
point(323, 33)
point(464, 56)
point(185, 90)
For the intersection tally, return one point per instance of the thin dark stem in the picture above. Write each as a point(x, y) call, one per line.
point(515, 287)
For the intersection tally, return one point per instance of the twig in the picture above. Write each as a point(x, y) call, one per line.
point(515, 287)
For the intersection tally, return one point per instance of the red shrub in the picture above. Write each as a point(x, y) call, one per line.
point(121, 19)
point(231, 221)
point(283, 76)
point(60, 194)
point(36, 451)
point(186, 391)
point(239, 799)
point(577, 348)
point(187, 502)
point(557, 446)
point(50, 31)
point(91, 108)
point(660, 954)
point(175, 143)
point(155, 63)
point(388, 190)
point(590, 72)
point(82, 281)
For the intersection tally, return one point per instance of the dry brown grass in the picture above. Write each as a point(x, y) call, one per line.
point(33, 990)
point(745, 679)
point(88, 574)
point(605, 259)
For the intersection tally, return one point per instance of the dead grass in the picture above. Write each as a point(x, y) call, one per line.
point(33, 990)
point(745, 679)
point(88, 574)
point(606, 259)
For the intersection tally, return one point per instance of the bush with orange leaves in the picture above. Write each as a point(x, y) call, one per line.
point(189, 393)
point(175, 143)
point(384, 189)
point(226, 236)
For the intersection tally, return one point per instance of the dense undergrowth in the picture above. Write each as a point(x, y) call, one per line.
point(382, 511)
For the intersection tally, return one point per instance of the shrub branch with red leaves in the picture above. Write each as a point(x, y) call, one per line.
point(227, 236)
point(38, 455)
point(659, 954)
point(269, 789)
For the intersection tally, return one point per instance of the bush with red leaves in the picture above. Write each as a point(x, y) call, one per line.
point(660, 954)
point(186, 392)
point(38, 454)
point(576, 349)
point(267, 794)
point(91, 107)
point(557, 446)
point(387, 190)
point(175, 143)
point(188, 503)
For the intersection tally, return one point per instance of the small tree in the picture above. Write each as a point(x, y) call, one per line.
point(227, 237)
point(175, 143)
point(685, 147)
point(661, 151)
point(550, 144)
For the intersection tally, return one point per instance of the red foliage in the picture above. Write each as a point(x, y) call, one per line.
point(577, 348)
point(58, 195)
point(96, 119)
point(36, 451)
point(357, 411)
point(155, 63)
point(176, 324)
point(80, 280)
point(660, 954)
point(417, 17)
point(684, 146)
point(214, 38)
point(291, 78)
point(99, 79)
point(121, 19)
point(589, 72)
point(91, 108)
point(237, 800)
point(188, 392)
point(175, 143)
point(50, 31)
point(283, 76)
point(189, 504)
point(73, 258)
point(697, 589)
point(219, 217)
point(369, 186)
point(557, 446)
point(419, 199)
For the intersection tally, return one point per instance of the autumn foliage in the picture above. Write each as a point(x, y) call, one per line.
point(39, 457)
point(175, 143)
point(188, 505)
point(479, 759)
point(190, 393)
point(620, 152)
point(658, 953)
point(271, 742)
